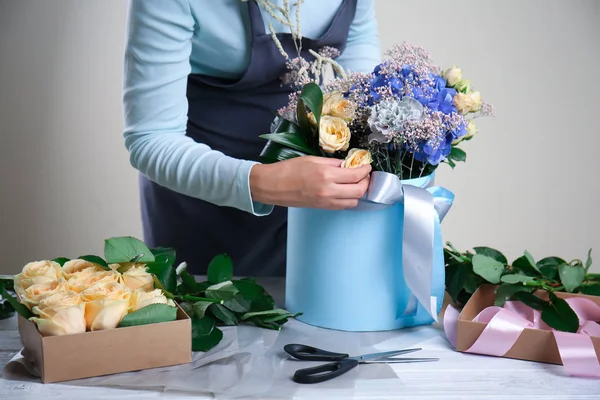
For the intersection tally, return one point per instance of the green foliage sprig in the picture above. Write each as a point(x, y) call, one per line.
point(466, 271)
point(219, 300)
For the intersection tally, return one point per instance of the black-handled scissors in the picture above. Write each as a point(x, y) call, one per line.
point(342, 363)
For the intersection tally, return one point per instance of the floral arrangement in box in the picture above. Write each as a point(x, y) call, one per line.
point(134, 285)
point(406, 117)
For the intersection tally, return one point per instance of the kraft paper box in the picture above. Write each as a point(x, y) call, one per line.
point(89, 354)
point(532, 344)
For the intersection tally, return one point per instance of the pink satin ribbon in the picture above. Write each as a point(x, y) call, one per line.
point(505, 325)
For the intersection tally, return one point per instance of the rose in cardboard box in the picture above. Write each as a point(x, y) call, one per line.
point(545, 311)
point(95, 304)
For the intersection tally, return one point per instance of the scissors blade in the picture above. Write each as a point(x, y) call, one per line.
point(400, 360)
point(374, 356)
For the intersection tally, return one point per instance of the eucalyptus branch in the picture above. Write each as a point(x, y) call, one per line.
point(518, 280)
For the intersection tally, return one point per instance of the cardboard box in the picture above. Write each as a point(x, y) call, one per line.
point(532, 344)
point(84, 355)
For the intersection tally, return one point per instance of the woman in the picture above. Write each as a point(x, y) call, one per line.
point(202, 82)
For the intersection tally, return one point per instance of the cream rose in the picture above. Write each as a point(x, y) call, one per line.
point(334, 134)
point(463, 103)
point(76, 266)
point(472, 130)
point(476, 100)
point(107, 304)
point(141, 299)
point(137, 277)
point(357, 158)
point(463, 86)
point(335, 105)
point(453, 76)
point(60, 313)
point(87, 278)
point(32, 296)
point(37, 273)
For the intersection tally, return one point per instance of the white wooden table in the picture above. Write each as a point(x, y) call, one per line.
point(454, 376)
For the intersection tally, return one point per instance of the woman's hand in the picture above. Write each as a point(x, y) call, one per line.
point(309, 182)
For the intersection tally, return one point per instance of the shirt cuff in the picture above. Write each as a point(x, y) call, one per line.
point(248, 204)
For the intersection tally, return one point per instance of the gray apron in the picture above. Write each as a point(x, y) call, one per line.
point(229, 116)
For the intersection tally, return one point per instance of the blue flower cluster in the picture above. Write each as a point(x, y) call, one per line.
point(432, 92)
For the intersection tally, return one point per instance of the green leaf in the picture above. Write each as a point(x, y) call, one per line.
point(269, 313)
point(488, 268)
point(588, 262)
point(532, 300)
point(280, 317)
point(506, 291)
point(224, 291)
point(20, 308)
point(592, 290)
point(189, 283)
point(223, 314)
point(220, 269)
point(286, 125)
point(456, 276)
point(527, 265)
point(571, 276)
point(289, 139)
point(258, 322)
point(307, 130)
point(312, 96)
point(517, 278)
point(549, 267)
point(262, 303)
point(493, 253)
point(249, 289)
point(560, 316)
point(273, 152)
point(473, 281)
point(8, 282)
point(152, 314)
point(99, 261)
point(200, 308)
point(126, 248)
point(6, 310)
point(451, 163)
point(61, 260)
point(238, 304)
point(450, 255)
point(458, 154)
point(162, 268)
point(205, 335)
point(187, 307)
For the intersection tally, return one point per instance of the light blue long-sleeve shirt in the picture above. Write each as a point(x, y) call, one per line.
point(169, 39)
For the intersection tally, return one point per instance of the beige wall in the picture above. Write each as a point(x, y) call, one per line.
point(531, 177)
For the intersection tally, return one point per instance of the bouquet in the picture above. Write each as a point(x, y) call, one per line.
point(134, 285)
point(406, 117)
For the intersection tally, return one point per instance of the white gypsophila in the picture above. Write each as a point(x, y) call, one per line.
point(387, 118)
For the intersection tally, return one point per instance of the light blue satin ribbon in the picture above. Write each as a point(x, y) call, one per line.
point(424, 206)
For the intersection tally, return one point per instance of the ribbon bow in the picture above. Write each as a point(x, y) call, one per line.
point(425, 206)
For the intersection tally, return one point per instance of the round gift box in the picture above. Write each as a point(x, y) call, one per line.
point(344, 270)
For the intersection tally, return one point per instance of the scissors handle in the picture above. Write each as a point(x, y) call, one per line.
point(309, 353)
point(324, 372)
